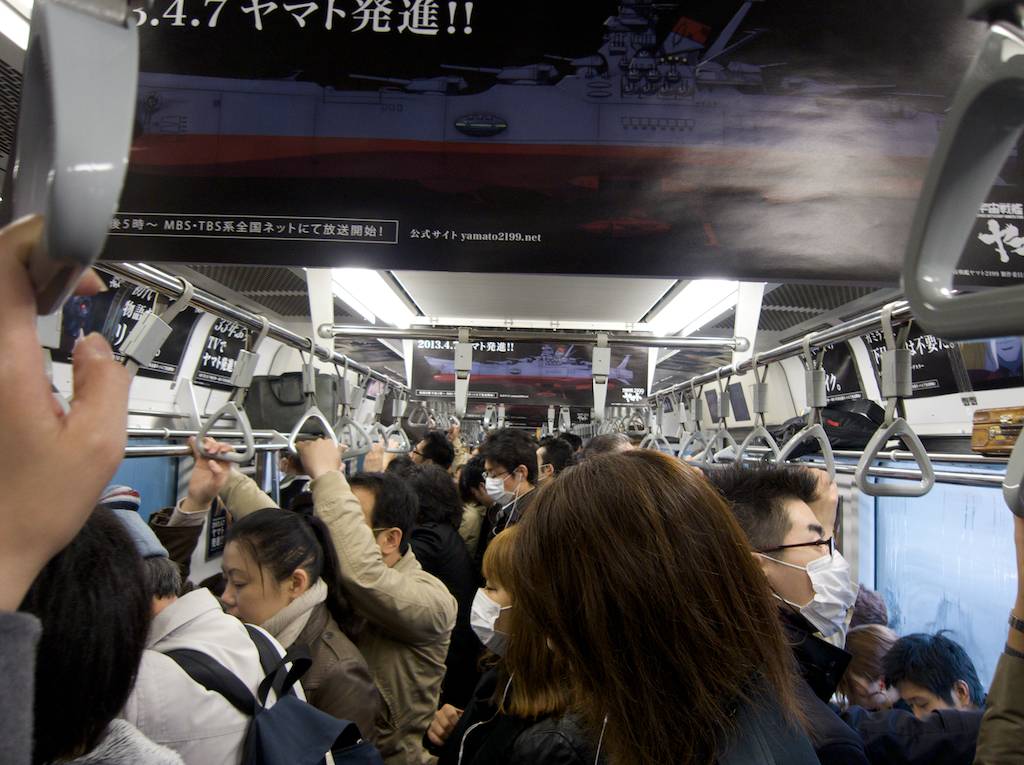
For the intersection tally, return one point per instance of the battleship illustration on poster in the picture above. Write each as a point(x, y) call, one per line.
point(501, 372)
point(762, 139)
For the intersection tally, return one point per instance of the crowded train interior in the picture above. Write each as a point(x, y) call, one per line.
point(422, 382)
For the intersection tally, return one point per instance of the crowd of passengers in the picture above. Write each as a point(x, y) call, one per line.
point(537, 603)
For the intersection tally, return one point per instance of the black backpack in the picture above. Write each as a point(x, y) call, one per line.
point(291, 732)
point(848, 425)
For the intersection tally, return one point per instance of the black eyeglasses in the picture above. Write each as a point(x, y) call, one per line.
point(830, 543)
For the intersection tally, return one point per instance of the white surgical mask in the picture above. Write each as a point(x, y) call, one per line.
point(834, 594)
point(483, 616)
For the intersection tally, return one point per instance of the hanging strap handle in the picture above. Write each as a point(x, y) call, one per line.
point(896, 385)
point(980, 131)
point(312, 415)
point(760, 406)
point(722, 438)
point(151, 332)
point(817, 398)
point(241, 378)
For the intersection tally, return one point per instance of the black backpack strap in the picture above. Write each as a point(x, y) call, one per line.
point(214, 676)
point(270, 660)
point(284, 678)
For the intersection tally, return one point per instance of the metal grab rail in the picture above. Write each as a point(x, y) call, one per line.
point(167, 284)
point(760, 406)
point(817, 398)
point(992, 480)
point(845, 331)
point(896, 385)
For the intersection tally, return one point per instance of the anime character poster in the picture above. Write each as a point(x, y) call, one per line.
point(775, 140)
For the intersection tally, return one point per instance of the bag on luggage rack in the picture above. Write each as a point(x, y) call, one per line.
point(277, 402)
point(848, 425)
point(291, 731)
point(996, 431)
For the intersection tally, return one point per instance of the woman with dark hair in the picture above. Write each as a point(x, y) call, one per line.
point(281, 573)
point(94, 608)
point(441, 552)
point(518, 714)
point(663, 619)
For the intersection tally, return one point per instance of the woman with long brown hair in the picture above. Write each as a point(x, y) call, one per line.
point(647, 590)
point(519, 712)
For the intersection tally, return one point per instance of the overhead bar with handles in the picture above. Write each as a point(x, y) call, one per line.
point(241, 379)
point(312, 414)
point(817, 399)
point(981, 128)
point(146, 275)
point(759, 403)
point(847, 330)
point(695, 434)
point(896, 385)
point(396, 431)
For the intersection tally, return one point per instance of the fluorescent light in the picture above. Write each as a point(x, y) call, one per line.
point(13, 25)
point(369, 295)
point(698, 304)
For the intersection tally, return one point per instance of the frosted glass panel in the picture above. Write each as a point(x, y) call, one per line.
point(946, 561)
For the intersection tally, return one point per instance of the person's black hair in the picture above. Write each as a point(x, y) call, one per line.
point(557, 452)
point(574, 441)
point(933, 662)
point(509, 448)
point(395, 505)
point(95, 613)
point(471, 477)
point(607, 443)
point(758, 495)
point(283, 541)
point(402, 466)
point(438, 498)
point(436, 447)
point(161, 577)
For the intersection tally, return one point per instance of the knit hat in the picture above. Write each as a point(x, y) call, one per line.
point(124, 502)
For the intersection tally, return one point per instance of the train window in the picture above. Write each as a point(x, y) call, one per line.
point(946, 561)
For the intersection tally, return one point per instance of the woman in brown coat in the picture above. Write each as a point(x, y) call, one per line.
point(280, 571)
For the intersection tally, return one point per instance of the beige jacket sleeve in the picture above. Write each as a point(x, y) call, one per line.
point(242, 496)
point(412, 606)
point(1001, 739)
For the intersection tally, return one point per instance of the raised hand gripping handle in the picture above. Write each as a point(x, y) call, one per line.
point(398, 432)
point(314, 415)
point(349, 432)
point(248, 440)
point(900, 428)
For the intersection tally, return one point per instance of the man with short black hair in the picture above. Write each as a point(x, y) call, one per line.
point(510, 465)
point(553, 456)
point(607, 443)
point(434, 449)
point(932, 672)
point(773, 506)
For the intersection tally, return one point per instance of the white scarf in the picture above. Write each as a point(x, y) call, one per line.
point(287, 624)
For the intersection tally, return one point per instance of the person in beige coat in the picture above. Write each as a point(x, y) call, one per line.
point(409, 613)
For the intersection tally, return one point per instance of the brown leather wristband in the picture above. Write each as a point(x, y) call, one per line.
point(1017, 624)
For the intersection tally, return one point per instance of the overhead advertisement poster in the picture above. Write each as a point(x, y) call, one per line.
point(775, 140)
point(933, 362)
point(506, 372)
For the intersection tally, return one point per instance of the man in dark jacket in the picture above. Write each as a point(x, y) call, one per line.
point(510, 478)
point(772, 505)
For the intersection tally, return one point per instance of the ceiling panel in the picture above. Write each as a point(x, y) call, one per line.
point(531, 296)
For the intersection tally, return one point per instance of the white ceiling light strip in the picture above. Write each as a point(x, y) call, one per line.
point(14, 24)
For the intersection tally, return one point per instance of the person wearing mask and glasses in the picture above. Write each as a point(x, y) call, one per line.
point(510, 478)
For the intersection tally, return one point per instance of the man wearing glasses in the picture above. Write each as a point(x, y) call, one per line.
point(790, 525)
point(811, 581)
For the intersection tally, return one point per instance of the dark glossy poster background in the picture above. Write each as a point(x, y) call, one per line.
point(797, 153)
